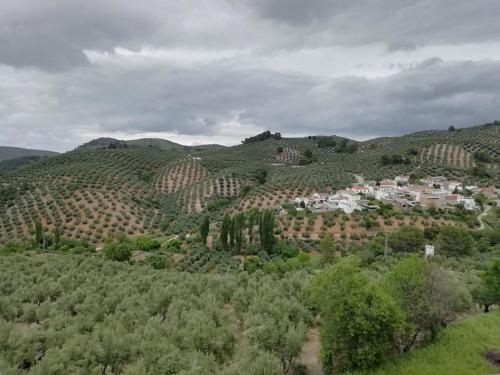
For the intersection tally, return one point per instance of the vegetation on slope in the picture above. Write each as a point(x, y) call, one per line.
point(7, 153)
point(110, 187)
point(460, 350)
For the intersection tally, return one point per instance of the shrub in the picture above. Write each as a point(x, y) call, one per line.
point(407, 239)
point(117, 251)
point(146, 243)
point(454, 241)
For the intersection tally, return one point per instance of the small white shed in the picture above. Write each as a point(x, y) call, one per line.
point(429, 251)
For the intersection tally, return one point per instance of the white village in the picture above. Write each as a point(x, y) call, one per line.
point(434, 191)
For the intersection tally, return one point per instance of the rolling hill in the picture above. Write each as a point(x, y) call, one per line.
point(108, 187)
point(8, 153)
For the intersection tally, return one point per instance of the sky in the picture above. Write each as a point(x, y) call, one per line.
point(217, 71)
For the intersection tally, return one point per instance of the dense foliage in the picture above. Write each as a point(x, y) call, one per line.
point(85, 315)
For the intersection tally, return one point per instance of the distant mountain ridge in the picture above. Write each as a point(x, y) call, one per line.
point(160, 143)
point(8, 153)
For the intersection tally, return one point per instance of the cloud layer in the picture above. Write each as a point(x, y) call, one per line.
point(218, 71)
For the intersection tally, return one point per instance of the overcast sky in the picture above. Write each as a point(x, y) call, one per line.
point(217, 71)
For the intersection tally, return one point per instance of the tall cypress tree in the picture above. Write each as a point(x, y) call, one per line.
point(267, 239)
point(224, 232)
point(231, 234)
point(204, 229)
point(57, 238)
point(239, 224)
point(38, 233)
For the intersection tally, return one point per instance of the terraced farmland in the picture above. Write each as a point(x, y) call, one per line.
point(93, 193)
point(454, 155)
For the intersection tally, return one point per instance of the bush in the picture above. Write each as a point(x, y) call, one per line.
point(454, 241)
point(146, 243)
point(120, 252)
point(407, 239)
point(158, 262)
point(285, 250)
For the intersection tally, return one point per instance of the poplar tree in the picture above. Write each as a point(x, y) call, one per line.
point(252, 220)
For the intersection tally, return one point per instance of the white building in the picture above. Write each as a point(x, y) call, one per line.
point(469, 203)
point(348, 206)
point(429, 251)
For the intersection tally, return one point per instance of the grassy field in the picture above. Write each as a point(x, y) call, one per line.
point(459, 350)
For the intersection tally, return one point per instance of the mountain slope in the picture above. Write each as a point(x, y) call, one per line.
point(8, 153)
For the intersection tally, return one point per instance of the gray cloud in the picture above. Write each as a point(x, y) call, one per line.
point(53, 35)
point(197, 101)
point(70, 71)
point(399, 24)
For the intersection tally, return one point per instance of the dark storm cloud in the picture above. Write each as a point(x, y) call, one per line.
point(198, 101)
point(399, 24)
point(72, 70)
point(52, 35)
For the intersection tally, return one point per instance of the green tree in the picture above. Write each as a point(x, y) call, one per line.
point(117, 251)
point(225, 231)
point(57, 238)
point(267, 239)
point(204, 229)
point(454, 241)
point(239, 224)
point(359, 322)
point(481, 200)
point(428, 295)
point(232, 238)
point(490, 286)
point(327, 247)
point(253, 217)
point(39, 235)
point(261, 176)
point(407, 239)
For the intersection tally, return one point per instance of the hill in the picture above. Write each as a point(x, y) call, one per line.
point(460, 350)
point(12, 164)
point(169, 145)
point(162, 144)
point(8, 153)
point(107, 186)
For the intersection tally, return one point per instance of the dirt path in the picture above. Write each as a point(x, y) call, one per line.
point(309, 356)
point(480, 217)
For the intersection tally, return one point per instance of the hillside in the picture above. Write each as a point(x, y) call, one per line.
point(13, 164)
point(7, 153)
point(107, 187)
point(459, 350)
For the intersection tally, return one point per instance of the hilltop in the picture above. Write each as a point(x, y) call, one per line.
point(162, 144)
point(109, 186)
